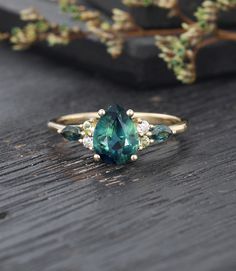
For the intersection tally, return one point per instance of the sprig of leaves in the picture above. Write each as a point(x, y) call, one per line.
point(180, 52)
point(167, 4)
point(110, 34)
point(38, 29)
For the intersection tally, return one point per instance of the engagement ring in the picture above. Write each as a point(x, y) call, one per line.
point(116, 135)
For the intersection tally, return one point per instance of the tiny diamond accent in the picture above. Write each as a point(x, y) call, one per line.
point(143, 127)
point(88, 142)
point(88, 128)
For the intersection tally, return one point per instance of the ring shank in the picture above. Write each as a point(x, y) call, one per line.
point(176, 124)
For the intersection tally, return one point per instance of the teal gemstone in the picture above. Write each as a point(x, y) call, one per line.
point(161, 133)
point(71, 133)
point(115, 137)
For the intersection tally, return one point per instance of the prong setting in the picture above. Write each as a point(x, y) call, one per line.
point(130, 113)
point(134, 157)
point(101, 112)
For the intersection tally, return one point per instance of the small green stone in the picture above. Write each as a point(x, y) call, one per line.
point(161, 133)
point(71, 133)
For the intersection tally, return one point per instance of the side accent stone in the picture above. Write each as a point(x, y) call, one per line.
point(161, 133)
point(71, 133)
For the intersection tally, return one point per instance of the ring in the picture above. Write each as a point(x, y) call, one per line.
point(116, 135)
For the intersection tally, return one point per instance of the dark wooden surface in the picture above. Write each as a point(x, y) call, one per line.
point(174, 209)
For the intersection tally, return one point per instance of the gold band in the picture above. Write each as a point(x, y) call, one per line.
point(176, 124)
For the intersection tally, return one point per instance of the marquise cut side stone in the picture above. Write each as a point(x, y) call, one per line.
point(161, 133)
point(71, 133)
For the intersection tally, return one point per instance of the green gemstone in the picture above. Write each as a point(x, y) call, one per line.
point(161, 133)
point(115, 137)
point(71, 133)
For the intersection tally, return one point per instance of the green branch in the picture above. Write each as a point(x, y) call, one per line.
point(178, 47)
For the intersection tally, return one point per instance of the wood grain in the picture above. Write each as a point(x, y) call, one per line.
point(172, 210)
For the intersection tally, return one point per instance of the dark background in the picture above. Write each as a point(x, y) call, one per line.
point(174, 209)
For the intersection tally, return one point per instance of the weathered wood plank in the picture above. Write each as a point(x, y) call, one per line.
point(172, 210)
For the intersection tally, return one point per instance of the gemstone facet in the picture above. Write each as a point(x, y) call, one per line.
point(161, 133)
point(71, 133)
point(116, 137)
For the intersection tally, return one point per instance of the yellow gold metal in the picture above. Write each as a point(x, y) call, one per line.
point(176, 124)
point(139, 120)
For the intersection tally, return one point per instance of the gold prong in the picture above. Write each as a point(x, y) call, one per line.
point(152, 141)
point(139, 120)
point(59, 131)
point(88, 133)
point(130, 113)
point(80, 125)
point(152, 126)
point(101, 112)
point(96, 157)
point(134, 157)
point(80, 140)
point(149, 134)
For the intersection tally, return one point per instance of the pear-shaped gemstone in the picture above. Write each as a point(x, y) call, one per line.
point(115, 137)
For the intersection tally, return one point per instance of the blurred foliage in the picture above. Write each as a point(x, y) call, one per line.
point(179, 50)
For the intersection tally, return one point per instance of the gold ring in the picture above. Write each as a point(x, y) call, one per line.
point(116, 135)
